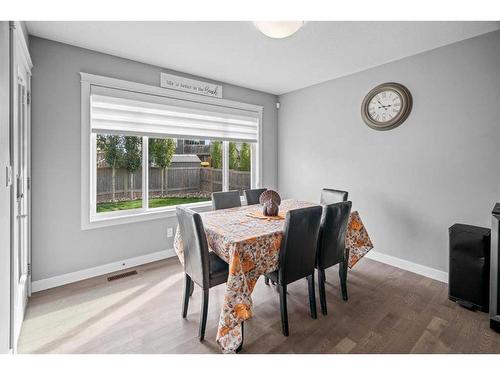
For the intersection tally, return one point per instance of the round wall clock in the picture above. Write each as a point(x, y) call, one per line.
point(386, 106)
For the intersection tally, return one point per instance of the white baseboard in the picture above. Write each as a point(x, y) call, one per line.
point(409, 266)
point(71, 277)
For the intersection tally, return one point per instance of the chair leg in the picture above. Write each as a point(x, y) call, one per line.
point(191, 290)
point(203, 317)
point(266, 280)
point(238, 349)
point(187, 287)
point(283, 308)
point(312, 296)
point(343, 279)
point(322, 292)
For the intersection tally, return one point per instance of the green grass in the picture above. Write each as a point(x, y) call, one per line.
point(153, 203)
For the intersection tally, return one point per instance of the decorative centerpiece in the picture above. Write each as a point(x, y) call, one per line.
point(270, 201)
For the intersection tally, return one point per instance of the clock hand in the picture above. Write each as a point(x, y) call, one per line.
point(383, 106)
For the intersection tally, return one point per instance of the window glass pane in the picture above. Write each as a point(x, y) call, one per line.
point(211, 175)
point(180, 171)
point(240, 163)
point(118, 173)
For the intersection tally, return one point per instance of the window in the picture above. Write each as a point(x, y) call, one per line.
point(151, 149)
point(118, 172)
point(177, 171)
point(240, 163)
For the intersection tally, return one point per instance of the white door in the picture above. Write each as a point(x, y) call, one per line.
point(21, 238)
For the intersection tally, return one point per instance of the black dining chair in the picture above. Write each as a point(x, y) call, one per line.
point(297, 256)
point(329, 196)
point(201, 266)
point(252, 195)
point(331, 247)
point(226, 199)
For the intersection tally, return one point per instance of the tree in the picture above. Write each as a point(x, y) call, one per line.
point(112, 147)
point(132, 159)
point(245, 157)
point(216, 154)
point(161, 151)
point(233, 156)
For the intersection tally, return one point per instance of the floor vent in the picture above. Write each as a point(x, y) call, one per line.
point(122, 275)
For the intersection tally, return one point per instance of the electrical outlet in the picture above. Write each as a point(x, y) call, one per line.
point(170, 232)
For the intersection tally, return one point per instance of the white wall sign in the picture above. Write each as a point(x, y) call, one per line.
point(170, 81)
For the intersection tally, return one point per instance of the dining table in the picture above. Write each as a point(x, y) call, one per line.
point(250, 244)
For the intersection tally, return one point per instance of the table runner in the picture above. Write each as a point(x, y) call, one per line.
point(251, 248)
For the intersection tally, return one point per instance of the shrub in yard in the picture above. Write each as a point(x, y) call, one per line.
point(161, 151)
point(216, 154)
point(245, 157)
point(132, 159)
point(234, 156)
point(112, 147)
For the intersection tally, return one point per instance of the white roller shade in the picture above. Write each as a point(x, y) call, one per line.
point(124, 112)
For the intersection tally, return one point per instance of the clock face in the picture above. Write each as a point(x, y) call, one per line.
point(385, 106)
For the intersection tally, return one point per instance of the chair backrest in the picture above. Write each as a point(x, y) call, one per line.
point(298, 247)
point(196, 258)
point(329, 196)
point(331, 241)
point(226, 199)
point(252, 195)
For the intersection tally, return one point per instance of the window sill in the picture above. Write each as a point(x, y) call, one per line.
point(135, 216)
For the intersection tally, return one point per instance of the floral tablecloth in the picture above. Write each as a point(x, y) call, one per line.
point(251, 248)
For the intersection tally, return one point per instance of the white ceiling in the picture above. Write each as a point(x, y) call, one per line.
point(235, 52)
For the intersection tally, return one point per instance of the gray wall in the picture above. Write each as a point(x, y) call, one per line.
point(4, 190)
point(59, 245)
point(411, 183)
point(24, 29)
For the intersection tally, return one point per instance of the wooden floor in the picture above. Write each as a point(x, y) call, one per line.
point(389, 311)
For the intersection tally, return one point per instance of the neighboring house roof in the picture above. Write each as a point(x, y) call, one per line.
point(185, 158)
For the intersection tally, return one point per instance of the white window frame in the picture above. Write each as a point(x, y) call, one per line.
point(89, 218)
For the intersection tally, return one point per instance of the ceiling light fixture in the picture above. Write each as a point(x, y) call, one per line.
point(278, 29)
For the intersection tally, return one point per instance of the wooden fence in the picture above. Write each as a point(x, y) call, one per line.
point(193, 180)
point(210, 179)
point(239, 180)
point(179, 180)
point(123, 190)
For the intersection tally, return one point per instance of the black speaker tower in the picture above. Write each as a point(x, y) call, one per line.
point(494, 267)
